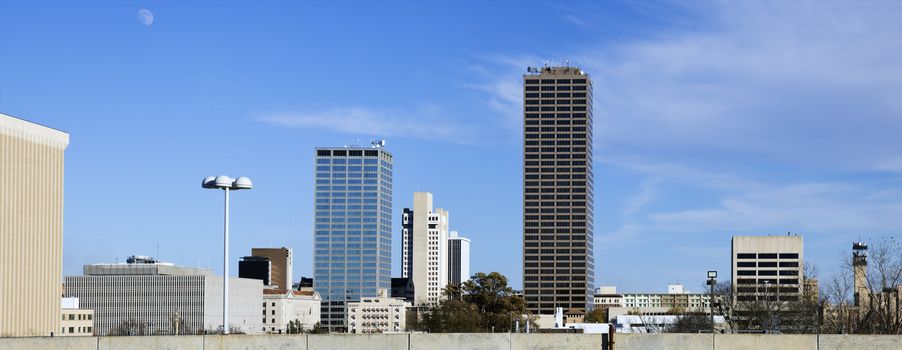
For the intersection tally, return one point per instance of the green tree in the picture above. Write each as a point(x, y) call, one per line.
point(597, 315)
point(484, 303)
point(452, 316)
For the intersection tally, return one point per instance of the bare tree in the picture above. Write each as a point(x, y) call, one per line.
point(839, 311)
point(875, 308)
point(768, 308)
point(884, 282)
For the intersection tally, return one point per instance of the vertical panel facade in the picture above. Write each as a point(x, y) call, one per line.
point(352, 228)
point(31, 227)
point(558, 260)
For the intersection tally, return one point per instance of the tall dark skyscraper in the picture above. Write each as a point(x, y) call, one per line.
point(352, 229)
point(558, 264)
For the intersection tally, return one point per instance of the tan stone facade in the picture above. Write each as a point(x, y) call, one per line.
point(31, 227)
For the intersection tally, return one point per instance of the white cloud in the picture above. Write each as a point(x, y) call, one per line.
point(807, 207)
point(425, 123)
point(794, 82)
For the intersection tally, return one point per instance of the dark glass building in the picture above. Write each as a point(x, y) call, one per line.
point(558, 263)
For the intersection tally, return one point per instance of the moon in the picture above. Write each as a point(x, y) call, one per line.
point(145, 17)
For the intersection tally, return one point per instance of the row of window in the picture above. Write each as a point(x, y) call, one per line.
point(553, 81)
point(79, 330)
point(555, 183)
point(767, 255)
point(533, 291)
point(763, 290)
point(552, 129)
point(554, 285)
point(767, 281)
point(551, 170)
point(555, 244)
point(557, 203)
point(559, 274)
point(581, 150)
point(767, 273)
point(556, 102)
point(81, 317)
point(350, 161)
point(558, 176)
point(553, 217)
point(347, 153)
point(555, 251)
point(556, 88)
point(581, 109)
point(767, 264)
point(578, 118)
point(553, 258)
point(553, 95)
point(553, 136)
point(560, 265)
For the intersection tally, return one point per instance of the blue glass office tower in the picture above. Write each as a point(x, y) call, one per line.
point(352, 236)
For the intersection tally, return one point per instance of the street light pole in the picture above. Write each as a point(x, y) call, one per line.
point(226, 184)
point(712, 279)
point(225, 266)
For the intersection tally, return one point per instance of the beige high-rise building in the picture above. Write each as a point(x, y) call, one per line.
point(767, 268)
point(558, 263)
point(31, 227)
point(280, 268)
point(424, 255)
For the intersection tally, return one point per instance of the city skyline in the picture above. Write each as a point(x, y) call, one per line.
point(711, 121)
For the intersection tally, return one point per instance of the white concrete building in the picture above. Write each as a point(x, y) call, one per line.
point(150, 297)
point(425, 249)
point(458, 258)
point(377, 315)
point(767, 267)
point(281, 306)
point(75, 322)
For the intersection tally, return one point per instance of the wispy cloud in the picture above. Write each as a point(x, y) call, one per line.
point(425, 123)
point(808, 207)
point(795, 82)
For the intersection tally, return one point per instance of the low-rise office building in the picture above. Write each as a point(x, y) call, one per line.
point(378, 315)
point(145, 297)
point(74, 321)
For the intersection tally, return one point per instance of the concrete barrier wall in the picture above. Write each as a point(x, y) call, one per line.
point(357, 341)
point(482, 341)
point(533, 341)
point(765, 341)
point(844, 342)
point(464, 341)
point(49, 343)
point(630, 341)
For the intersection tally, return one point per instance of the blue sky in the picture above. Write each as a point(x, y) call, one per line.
point(712, 118)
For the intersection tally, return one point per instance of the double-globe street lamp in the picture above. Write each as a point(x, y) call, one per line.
point(226, 184)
